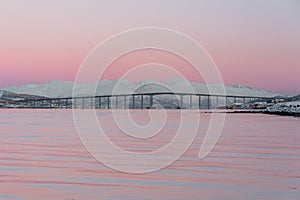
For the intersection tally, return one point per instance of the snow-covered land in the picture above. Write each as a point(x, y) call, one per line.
point(285, 108)
point(55, 89)
point(8, 98)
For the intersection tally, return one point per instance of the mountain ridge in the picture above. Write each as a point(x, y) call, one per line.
point(57, 88)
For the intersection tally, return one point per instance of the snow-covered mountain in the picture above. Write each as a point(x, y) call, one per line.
point(65, 88)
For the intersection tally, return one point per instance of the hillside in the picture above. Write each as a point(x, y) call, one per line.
point(8, 98)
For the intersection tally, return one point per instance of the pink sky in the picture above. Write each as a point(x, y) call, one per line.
point(254, 43)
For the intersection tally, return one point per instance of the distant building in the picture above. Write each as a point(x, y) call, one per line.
point(259, 105)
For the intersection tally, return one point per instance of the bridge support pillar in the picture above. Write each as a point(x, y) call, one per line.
point(133, 101)
point(208, 102)
point(181, 101)
point(75, 103)
point(99, 102)
point(66, 103)
point(83, 102)
point(199, 102)
point(117, 99)
point(125, 101)
point(151, 101)
point(142, 101)
point(226, 101)
point(108, 102)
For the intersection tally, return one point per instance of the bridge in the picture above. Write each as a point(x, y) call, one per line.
point(140, 101)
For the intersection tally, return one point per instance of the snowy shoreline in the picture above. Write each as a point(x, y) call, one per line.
point(287, 108)
point(283, 109)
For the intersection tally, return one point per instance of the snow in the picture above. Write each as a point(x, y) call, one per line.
point(3, 93)
point(287, 107)
point(64, 89)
